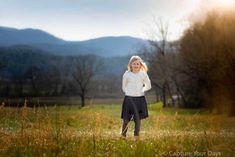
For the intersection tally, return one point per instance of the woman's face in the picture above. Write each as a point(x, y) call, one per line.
point(135, 66)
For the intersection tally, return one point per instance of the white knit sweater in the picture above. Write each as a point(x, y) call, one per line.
point(135, 84)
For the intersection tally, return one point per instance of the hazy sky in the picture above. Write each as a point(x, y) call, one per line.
point(85, 19)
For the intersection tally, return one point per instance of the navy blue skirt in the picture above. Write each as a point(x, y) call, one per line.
point(134, 106)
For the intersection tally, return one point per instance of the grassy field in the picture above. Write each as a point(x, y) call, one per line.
point(95, 131)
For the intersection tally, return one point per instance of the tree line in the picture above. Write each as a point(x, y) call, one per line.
point(200, 67)
point(29, 72)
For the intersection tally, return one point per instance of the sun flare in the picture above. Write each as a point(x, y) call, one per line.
point(226, 3)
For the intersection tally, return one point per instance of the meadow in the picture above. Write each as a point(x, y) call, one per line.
point(94, 130)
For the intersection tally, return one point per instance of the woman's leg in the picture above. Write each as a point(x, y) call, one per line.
point(137, 126)
point(125, 126)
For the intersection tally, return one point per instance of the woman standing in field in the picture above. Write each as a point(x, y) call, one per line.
point(135, 83)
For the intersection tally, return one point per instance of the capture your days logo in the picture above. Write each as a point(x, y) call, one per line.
point(193, 153)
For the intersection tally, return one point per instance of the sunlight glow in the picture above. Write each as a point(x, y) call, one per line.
point(226, 3)
point(221, 5)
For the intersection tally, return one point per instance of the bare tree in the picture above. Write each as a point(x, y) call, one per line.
point(86, 66)
point(159, 65)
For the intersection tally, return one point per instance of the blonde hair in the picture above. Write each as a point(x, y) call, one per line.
point(142, 64)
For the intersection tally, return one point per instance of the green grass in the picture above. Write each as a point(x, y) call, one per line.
point(95, 131)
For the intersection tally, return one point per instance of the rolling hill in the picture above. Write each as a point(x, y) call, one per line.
point(104, 46)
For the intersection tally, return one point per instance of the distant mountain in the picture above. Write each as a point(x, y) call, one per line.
point(104, 46)
point(12, 36)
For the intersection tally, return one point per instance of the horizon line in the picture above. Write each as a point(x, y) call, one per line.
point(69, 40)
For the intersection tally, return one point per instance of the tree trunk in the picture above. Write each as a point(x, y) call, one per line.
point(164, 95)
point(157, 94)
point(83, 100)
point(170, 94)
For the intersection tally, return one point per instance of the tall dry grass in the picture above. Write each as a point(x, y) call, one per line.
point(95, 131)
